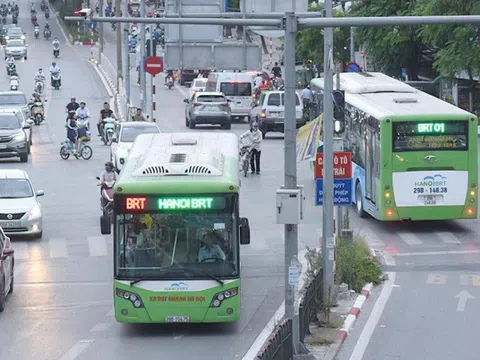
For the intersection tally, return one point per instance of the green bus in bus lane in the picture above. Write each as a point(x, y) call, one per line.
point(177, 230)
point(414, 156)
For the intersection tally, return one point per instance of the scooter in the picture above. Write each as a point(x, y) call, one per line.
point(170, 82)
point(42, 6)
point(37, 112)
point(47, 13)
point(36, 32)
point(108, 131)
point(106, 206)
point(47, 34)
point(14, 83)
point(38, 86)
point(56, 50)
point(84, 122)
point(11, 69)
point(56, 81)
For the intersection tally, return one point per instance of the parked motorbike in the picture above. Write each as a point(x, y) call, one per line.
point(170, 82)
point(38, 112)
point(56, 81)
point(108, 131)
point(245, 156)
point(38, 86)
point(14, 83)
point(56, 50)
point(106, 206)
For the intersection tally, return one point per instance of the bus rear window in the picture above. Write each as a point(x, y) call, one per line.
point(430, 135)
point(236, 89)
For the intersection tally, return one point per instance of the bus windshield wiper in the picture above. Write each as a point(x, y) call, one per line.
point(213, 277)
point(135, 281)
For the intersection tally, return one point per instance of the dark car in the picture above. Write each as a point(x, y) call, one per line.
point(187, 76)
point(13, 138)
point(6, 269)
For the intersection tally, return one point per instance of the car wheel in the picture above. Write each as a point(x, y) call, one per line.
point(186, 121)
point(25, 58)
point(227, 126)
point(12, 280)
point(24, 158)
point(28, 148)
point(191, 124)
point(2, 296)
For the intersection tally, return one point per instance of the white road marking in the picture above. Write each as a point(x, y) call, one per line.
point(372, 239)
point(410, 238)
point(58, 248)
point(372, 322)
point(463, 296)
point(77, 349)
point(100, 327)
point(434, 253)
point(21, 250)
point(97, 246)
point(447, 237)
point(111, 312)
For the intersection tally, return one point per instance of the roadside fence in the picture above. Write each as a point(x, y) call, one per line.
point(310, 302)
point(280, 345)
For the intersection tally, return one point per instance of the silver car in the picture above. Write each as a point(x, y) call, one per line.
point(15, 32)
point(20, 211)
point(17, 48)
point(13, 101)
point(208, 108)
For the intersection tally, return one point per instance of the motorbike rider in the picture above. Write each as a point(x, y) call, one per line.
point(40, 75)
point(47, 29)
point(83, 113)
point(35, 99)
point(138, 116)
point(106, 112)
point(169, 75)
point(56, 44)
point(72, 105)
point(10, 60)
point(255, 140)
point(72, 130)
point(54, 70)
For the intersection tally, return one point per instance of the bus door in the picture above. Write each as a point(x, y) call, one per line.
point(371, 163)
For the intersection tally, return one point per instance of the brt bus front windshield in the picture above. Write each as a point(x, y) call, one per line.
point(182, 240)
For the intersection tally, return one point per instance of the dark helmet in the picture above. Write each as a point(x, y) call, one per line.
point(109, 164)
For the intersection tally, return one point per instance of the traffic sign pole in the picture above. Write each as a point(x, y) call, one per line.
point(154, 66)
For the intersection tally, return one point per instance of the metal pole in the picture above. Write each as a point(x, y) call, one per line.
point(290, 172)
point(244, 35)
point(328, 240)
point(118, 12)
point(338, 146)
point(154, 103)
point(127, 67)
point(143, 82)
point(100, 32)
point(152, 81)
point(352, 44)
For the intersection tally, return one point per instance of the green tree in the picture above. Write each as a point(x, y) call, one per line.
point(310, 44)
point(390, 48)
point(456, 47)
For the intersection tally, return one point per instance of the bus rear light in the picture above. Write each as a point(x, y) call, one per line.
point(470, 211)
point(389, 213)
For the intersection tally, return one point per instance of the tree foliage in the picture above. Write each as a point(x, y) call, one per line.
point(310, 44)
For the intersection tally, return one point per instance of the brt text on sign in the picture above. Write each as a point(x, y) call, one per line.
point(342, 165)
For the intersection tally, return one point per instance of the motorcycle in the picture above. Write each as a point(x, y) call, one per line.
point(34, 19)
point(36, 32)
point(84, 122)
point(170, 82)
point(106, 205)
point(42, 6)
point(56, 50)
point(108, 131)
point(47, 13)
point(47, 34)
point(9, 9)
point(245, 156)
point(14, 83)
point(56, 81)
point(38, 88)
point(32, 10)
point(37, 112)
point(11, 69)
point(15, 20)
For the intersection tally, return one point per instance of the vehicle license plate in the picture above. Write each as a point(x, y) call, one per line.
point(10, 224)
point(3, 146)
point(430, 200)
point(275, 115)
point(210, 108)
point(177, 319)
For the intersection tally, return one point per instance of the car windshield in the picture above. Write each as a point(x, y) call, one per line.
point(12, 99)
point(130, 133)
point(15, 188)
point(15, 43)
point(211, 98)
point(9, 122)
point(185, 239)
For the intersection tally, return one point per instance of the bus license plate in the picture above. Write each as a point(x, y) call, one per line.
point(177, 319)
point(430, 200)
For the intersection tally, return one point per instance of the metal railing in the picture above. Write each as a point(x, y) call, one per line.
point(280, 345)
point(310, 302)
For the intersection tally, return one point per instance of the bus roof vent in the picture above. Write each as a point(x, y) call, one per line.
point(183, 142)
point(199, 170)
point(155, 170)
point(178, 158)
point(405, 100)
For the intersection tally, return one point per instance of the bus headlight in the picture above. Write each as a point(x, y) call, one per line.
point(218, 298)
point(132, 297)
point(387, 195)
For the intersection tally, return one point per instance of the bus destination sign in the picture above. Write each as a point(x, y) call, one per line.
point(431, 128)
point(172, 203)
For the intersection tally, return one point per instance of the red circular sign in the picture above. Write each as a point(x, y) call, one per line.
point(153, 65)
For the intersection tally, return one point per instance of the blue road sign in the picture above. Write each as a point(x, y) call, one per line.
point(342, 192)
point(353, 67)
point(93, 25)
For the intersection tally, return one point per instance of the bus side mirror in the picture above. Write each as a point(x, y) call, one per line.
point(244, 231)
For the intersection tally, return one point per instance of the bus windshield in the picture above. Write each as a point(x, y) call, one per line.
point(430, 135)
point(188, 237)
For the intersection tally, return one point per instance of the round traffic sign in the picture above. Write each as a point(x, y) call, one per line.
point(353, 67)
point(153, 65)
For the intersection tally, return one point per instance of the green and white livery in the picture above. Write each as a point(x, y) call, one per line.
point(177, 230)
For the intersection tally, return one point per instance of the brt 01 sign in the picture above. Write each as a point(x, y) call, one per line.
point(342, 192)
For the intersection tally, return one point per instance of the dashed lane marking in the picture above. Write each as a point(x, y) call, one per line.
point(97, 246)
point(74, 352)
point(410, 238)
point(58, 248)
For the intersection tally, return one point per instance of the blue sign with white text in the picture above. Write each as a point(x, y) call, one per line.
point(342, 192)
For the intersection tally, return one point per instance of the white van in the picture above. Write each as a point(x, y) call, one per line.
point(237, 87)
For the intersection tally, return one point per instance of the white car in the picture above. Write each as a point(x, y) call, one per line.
point(125, 137)
point(198, 84)
point(20, 211)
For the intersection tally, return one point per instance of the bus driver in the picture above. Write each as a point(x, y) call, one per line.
point(210, 252)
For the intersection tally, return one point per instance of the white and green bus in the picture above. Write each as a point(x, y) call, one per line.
point(414, 156)
point(177, 230)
